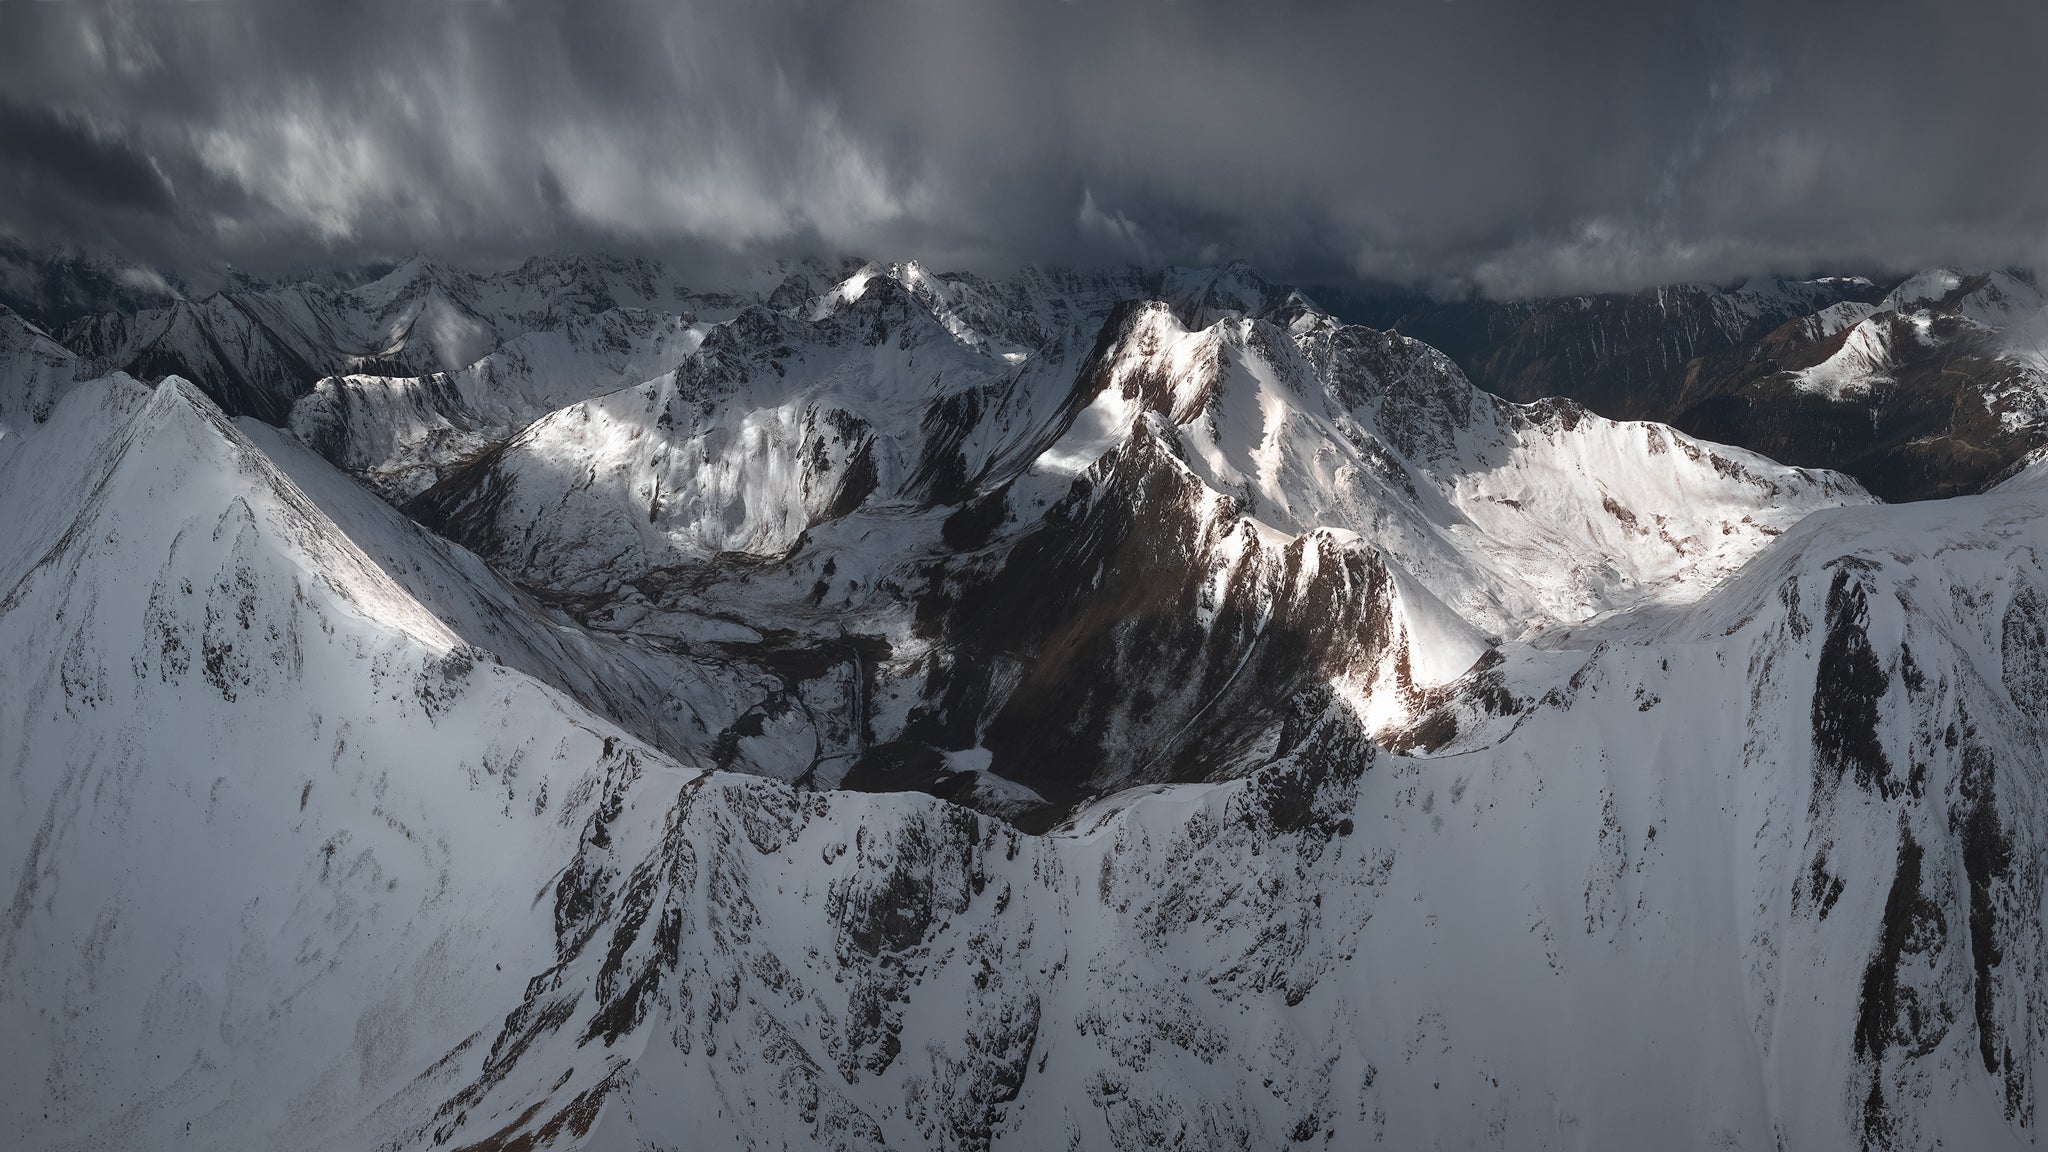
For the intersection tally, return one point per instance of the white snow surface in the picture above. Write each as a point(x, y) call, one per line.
point(2000, 300)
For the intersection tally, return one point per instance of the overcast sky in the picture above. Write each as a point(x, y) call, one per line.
point(1509, 147)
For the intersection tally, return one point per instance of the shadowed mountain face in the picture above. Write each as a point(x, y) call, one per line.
point(870, 708)
point(1930, 387)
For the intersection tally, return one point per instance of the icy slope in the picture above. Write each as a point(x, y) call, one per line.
point(273, 835)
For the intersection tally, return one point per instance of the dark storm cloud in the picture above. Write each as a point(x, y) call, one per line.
point(59, 157)
point(1504, 146)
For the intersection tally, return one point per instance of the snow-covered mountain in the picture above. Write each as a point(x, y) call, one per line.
point(1766, 876)
point(1931, 386)
point(1641, 355)
point(402, 433)
point(270, 823)
point(256, 350)
point(883, 709)
point(1084, 559)
point(34, 370)
point(55, 288)
point(1938, 388)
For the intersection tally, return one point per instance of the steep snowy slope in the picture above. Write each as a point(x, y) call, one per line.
point(1324, 425)
point(674, 695)
point(273, 834)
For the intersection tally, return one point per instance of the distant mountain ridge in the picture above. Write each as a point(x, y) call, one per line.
point(1939, 414)
point(1926, 387)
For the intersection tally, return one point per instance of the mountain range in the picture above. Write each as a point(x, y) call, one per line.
point(865, 707)
point(1920, 388)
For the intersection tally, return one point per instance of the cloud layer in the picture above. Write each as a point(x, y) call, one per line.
point(1504, 146)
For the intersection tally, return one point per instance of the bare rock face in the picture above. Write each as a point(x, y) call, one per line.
point(879, 709)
